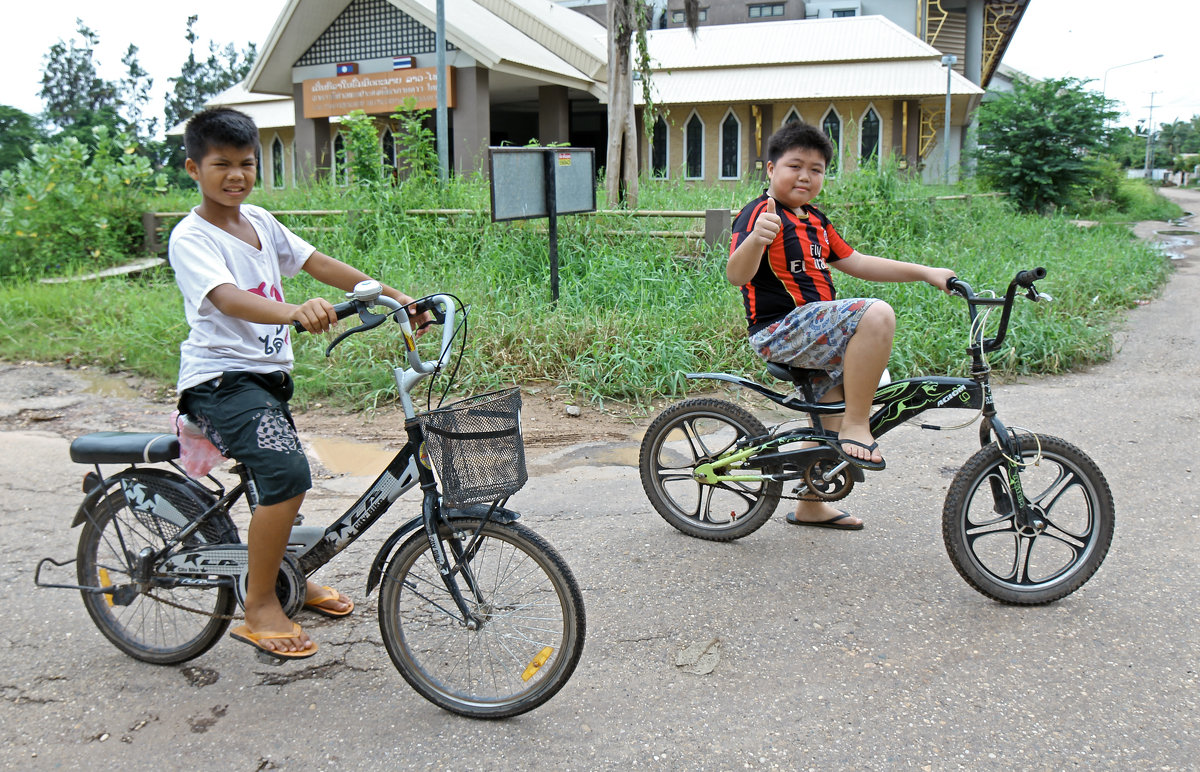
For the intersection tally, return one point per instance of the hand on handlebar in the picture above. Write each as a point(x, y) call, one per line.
point(940, 278)
point(315, 315)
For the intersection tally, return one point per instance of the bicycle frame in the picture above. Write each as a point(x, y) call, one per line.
point(311, 547)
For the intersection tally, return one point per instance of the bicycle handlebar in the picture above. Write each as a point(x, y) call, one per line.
point(1023, 279)
point(368, 293)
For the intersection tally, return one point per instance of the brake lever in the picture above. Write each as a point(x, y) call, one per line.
point(370, 320)
point(1034, 295)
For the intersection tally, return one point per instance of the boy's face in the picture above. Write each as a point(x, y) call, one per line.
point(225, 174)
point(796, 178)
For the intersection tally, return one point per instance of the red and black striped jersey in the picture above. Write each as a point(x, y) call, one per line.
point(794, 269)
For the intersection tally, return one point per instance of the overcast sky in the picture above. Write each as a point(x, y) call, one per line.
point(1057, 38)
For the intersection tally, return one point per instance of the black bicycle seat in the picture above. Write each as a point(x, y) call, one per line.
point(124, 448)
point(801, 376)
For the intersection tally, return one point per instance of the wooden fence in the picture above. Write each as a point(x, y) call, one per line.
point(714, 226)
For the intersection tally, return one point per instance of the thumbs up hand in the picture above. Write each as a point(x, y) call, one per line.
point(767, 226)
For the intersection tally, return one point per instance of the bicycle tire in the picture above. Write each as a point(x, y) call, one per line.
point(681, 438)
point(1065, 487)
point(155, 627)
point(533, 622)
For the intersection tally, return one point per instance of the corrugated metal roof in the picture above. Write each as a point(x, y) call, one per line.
point(858, 38)
point(846, 80)
point(485, 37)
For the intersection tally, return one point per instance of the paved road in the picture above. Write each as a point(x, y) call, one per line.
point(836, 650)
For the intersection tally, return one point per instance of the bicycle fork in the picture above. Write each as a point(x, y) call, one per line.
point(431, 516)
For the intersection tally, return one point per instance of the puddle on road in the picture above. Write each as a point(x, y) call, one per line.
point(351, 458)
point(1174, 242)
point(106, 385)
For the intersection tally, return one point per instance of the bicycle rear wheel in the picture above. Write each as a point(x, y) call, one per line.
point(695, 432)
point(530, 622)
point(1025, 566)
point(155, 620)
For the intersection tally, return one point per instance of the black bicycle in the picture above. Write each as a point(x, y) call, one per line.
point(479, 614)
point(1027, 520)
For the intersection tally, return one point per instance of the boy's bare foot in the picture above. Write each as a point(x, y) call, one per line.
point(327, 601)
point(263, 622)
point(858, 444)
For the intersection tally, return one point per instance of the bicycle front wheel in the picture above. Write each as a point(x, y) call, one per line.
point(149, 618)
point(1027, 566)
point(695, 432)
point(523, 639)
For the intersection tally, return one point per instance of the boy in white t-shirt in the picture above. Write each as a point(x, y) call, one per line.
point(234, 373)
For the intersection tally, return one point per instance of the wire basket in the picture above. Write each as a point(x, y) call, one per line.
point(476, 447)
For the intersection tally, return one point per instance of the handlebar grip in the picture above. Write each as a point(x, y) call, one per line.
point(1027, 278)
point(341, 309)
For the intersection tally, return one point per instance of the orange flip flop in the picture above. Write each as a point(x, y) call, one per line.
point(244, 635)
point(330, 594)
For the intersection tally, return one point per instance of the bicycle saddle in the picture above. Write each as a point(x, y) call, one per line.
point(801, 376)
point(124, 448)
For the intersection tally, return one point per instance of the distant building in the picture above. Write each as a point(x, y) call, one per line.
point(868, 71)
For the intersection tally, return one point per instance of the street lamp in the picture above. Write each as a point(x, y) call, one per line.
point(1104, 90)
point(948, 62)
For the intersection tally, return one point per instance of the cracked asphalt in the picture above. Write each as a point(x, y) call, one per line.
point(828, 650)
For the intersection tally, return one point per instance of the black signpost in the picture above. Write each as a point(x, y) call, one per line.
point(533, 182)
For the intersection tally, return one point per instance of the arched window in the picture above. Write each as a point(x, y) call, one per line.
point(277, 181)
point(659, 149)
point(693, 147)
point(340, 168)
point(731, 147)
point(793, 116)
point(868, 135)
point(831, 124)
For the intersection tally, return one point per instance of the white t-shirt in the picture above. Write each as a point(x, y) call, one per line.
point(205, 257)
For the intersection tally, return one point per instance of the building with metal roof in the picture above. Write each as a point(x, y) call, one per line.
point(520, 70)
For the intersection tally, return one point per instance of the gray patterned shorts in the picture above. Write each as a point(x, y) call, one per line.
point(246, 416)
point(813, 336)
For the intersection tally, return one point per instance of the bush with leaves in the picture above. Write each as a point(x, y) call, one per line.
point(416, 144)
point(69, 207)
point(1039, 143)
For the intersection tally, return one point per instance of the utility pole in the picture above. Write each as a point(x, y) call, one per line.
point(441, 122)
point(1150, 140)
point(948, 60)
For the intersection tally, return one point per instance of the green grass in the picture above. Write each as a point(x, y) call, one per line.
point(634, 313)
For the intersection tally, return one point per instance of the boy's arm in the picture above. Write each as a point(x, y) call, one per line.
point(873, 268)
point(743, 261)
point(315, 315)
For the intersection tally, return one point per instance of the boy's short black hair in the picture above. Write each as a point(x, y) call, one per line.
point(218, 127)
point(798, 134)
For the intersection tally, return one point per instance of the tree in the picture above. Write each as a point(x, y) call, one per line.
point(1040, 142)
point(76, 98)
point(19, 131)
point(199, 81)
point(134, 92)
point(627, 18)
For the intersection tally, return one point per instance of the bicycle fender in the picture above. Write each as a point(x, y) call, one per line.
point(475, 512)
point(128, 480)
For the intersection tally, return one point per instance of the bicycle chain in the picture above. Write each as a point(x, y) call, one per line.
point(181, 607)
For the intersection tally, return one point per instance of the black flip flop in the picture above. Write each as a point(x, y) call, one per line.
point(833, 522)
point(861, 463)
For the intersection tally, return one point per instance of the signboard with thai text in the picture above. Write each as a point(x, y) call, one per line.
point(374, 93)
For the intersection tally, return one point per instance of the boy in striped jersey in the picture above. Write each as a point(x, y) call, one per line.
point(780, 256)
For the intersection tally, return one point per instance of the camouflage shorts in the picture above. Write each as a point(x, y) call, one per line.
point(246, 416)
point(813, 336)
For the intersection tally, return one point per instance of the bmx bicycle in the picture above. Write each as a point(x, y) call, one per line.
point(1028, 519)
point(480, 615)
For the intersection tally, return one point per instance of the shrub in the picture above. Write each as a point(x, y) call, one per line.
point(69, 208)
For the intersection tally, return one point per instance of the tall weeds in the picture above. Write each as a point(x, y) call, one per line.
point(635, 312)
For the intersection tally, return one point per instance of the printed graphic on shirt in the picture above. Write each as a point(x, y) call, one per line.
point(274, 343)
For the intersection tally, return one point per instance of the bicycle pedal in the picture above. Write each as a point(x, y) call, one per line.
point(266, 659)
